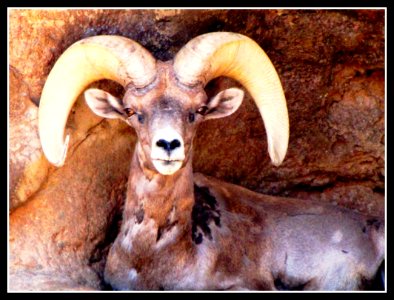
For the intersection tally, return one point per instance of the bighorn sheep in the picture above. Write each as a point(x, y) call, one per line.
point(188, 231)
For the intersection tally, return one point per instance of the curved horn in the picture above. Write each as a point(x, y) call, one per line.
point(100, 57)
point(234, 55)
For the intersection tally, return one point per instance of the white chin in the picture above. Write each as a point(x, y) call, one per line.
point(167, 167)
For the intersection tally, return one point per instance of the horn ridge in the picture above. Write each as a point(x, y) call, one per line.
point(234, 55)
point(94, 58)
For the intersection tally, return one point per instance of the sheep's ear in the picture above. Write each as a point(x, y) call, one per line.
point(104, 104)
point(224, 103)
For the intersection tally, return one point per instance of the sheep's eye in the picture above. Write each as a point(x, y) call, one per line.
point(202, 110)
point(129, 112)
point(191, 117)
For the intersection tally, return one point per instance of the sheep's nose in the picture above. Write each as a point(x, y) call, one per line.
point(168, 146)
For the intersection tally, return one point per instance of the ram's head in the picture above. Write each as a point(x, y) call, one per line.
point(163, 101)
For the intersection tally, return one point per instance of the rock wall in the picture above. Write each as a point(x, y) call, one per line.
point(331, 64)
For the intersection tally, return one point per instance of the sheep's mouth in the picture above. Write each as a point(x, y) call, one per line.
point(167, 161)
point(167, 166)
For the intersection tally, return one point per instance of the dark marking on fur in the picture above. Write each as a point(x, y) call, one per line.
point(166, 227)
point(371, 225)
point(374, 222)
point(139, 215)
point(165, 103)
point(159, 233)
point(197, 238)
point(204, 211)
point(283, 286)
point(377, 283)
point(344, 251)
point(169, 104)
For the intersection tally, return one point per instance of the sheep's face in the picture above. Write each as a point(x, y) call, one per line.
point(165, 115)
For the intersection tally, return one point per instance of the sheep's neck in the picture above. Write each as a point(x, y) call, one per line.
point(165, 199)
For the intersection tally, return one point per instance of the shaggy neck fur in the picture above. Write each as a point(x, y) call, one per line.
point(158, 203)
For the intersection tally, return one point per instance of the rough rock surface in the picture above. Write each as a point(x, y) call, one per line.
point(331, 63)
point(65, 227)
